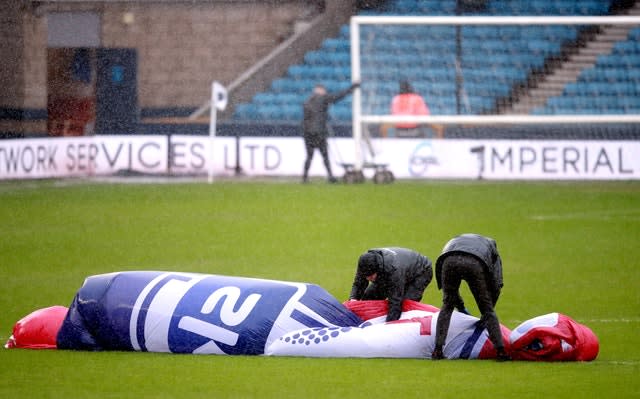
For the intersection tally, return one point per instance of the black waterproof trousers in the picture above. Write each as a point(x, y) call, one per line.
point(311, 142)
point(458, 267)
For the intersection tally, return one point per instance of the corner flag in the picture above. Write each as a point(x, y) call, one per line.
point(219, 96)
point(218, 102)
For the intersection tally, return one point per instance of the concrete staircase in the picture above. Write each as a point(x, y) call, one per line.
point(553, 83)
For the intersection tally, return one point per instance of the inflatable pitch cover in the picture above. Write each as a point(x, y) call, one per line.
point(212, 314)
point(193, 313)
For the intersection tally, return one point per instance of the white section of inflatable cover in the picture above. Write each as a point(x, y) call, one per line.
point(395, 340)
point(413, 336)
point(547, 320)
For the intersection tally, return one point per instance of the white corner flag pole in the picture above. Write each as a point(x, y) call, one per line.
point(212, 132)
point(218, 102)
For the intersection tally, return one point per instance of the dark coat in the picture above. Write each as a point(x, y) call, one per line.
point(482, 248)
point(402, 271)
point(316, 110)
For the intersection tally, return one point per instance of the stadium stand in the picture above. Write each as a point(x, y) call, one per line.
point(612, 84)
point(518, 59)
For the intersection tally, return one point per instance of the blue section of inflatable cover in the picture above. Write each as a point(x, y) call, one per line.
point(193, 313)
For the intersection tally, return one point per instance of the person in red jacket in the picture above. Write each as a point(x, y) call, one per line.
point(409, 103)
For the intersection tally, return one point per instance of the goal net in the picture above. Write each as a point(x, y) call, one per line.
point(511, 76)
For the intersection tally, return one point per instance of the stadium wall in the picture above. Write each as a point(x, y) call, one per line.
point(182, 46)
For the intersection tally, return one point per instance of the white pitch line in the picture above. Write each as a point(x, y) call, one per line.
point(613, 321)
point(587, 321)
point(622, 362)
point(596, 214)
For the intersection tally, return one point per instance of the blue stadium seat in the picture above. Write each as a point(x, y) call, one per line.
point(247, 111)
point(340, 112)
point(319, 57)
point(627, 47)
point(264, 98)
point(620, 60)
point(543, 47)
point(340, 44)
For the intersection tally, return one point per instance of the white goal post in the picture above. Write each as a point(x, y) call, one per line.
point(359, 117)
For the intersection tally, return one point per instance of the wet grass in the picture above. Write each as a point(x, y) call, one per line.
point(567, 247)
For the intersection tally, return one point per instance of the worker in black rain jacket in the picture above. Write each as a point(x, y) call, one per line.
point(474, 259)
point(391, 273)
point(314, 126)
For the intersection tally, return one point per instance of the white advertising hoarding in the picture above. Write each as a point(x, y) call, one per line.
point(597, 160)
point(284, 156)
point(81, 156)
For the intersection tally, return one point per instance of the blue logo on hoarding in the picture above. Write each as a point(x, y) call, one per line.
point(421, 158)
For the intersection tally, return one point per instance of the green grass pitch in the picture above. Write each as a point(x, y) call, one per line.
point(569, 247)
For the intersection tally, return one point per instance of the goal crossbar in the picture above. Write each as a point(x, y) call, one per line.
point(497, 20)
point(502, 119)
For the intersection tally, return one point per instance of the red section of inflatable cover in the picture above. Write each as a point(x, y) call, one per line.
point(488, 351)
point(39, 329)
point(367, 310)
point(584, 343)
point(587, 341)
